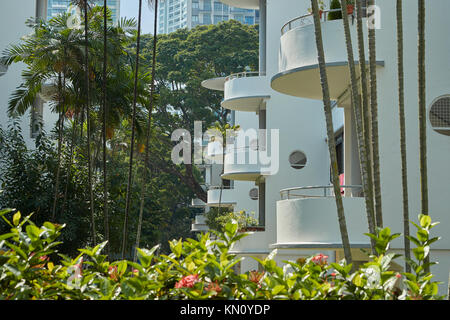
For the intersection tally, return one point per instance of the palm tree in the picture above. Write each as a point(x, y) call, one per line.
point(374, 124)
point(88, 116)
point(105, 65)
point(149, 124)
point(422, 113)
point(365, 106)
point(330, 132)
point(356, 105)
point(401, 109)
point(133, 125)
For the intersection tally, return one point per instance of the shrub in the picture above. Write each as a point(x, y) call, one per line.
point(198, 269)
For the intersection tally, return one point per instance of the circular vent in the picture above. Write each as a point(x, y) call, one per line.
point(297, 159)
point(440, 115)
point(253, 194)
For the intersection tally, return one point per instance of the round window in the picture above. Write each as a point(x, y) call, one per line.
point(439, 115)
point(254, 194)
point(297, 159)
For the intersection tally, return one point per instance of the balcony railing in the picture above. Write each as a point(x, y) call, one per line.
point(308, 19)
point(353, 191)
point(245, 74)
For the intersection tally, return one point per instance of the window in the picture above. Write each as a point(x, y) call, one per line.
point(239, 18)
point(206, 19)
point(249, 20)
point(194, 18)
point(195, 4)
point(297, 159)
point(218, 6)
point(439, 115)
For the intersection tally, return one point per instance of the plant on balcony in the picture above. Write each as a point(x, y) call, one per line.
point(246, 222)
point(336, 4)
point(322, 8)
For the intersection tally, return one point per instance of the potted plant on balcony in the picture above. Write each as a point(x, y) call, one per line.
point(321, 8)
point(246, 222)
point(336, 4)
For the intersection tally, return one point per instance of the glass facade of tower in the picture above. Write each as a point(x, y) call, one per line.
point(177, 14)
point(56, 7)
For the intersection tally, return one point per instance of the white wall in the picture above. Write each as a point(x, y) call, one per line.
point(13, 15)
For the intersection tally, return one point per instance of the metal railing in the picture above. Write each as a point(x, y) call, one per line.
point(308, 19)
point(220, 187)
point(353, 191)
point(245, 74)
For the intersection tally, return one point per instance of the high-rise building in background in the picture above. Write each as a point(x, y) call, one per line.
point(56, 7)
point(177, 14)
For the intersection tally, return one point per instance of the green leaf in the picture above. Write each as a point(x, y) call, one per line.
point(277, 289)
point(424, 220)
point(16, 218)
point(422, 235)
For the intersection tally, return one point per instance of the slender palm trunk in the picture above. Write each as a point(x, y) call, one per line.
point(330, 133)
point(133, 124)
point(422, 113)
point(401, 109)
point(88, 119)
point(365, 106)
point(356, 106)
point(60, 137)
point(147, 138)
point(69, 167)
point(374, 111)
point(105, 182)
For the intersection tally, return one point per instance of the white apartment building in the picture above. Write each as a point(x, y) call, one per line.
point(12, 23)
point(295, 203)
point(178, 14)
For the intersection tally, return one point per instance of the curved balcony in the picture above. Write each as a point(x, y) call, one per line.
point(199, 224)
point(245, 91)
point(198, 203)
point(244, 164)
point(298, 64)
point(254, 243)
point(228, 198)
point(244, 4)
point(214, 83)
point(307, 218)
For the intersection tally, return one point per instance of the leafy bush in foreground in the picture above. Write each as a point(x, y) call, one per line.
point(198, 269)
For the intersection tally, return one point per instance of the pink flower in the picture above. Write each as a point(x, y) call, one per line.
point(113, 274)
point(398, 275)
point(214, 286)
point(188, 281)
point(320, 259)
point(333, 274)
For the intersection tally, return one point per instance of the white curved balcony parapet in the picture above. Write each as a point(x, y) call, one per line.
point(246, 91)
point(244, 4)
point(214, 83)
point(198, 203)
point(199, 224)
point(313, 223)
point(254, 243)
point(228, 198)
point(298, 64)
point(246, 164)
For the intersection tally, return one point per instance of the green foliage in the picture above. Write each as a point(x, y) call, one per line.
point(194, 269)
point(243, 220)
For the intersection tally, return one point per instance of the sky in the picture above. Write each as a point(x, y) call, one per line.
point(130, 9)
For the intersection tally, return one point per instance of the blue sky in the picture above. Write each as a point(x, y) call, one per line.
point(130, 9)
